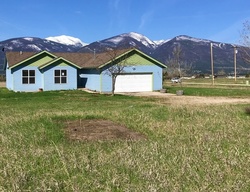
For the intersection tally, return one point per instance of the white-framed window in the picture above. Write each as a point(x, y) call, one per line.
point(28, 76)
point(60, 76)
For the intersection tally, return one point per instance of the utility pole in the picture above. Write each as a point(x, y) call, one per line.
point(212, 62)
point(235, 52)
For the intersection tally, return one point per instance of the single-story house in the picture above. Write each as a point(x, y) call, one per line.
point(33, 71)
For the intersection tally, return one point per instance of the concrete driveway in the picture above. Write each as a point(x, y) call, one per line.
point(148, 94)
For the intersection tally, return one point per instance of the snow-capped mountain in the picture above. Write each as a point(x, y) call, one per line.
point(32, 44)
point(125, 40)
point(67, 40)
point(135, 37)
point(35, 44)
point(185, 37)
point(195, 51)
point(160, 42)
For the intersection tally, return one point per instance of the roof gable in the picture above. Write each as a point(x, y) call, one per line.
point(137, 59)
point(150, 59)
point(18, 58)
point(56, 60)
point(127, 55)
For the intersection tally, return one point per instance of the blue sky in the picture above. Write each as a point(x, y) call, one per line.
point(93, 20)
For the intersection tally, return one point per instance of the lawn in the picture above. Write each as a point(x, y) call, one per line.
point(204, 87)
point(218, 82)
point(187, 148)
point(210, 91)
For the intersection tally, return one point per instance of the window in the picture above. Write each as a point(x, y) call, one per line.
point(60, 76)
point(28, 76)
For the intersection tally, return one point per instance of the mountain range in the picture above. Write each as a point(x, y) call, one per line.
point(195, 51)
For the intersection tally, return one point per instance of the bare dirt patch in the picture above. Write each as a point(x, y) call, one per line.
point(99, 129)
point(173, 99)
point(196, 100)
point(2, 84)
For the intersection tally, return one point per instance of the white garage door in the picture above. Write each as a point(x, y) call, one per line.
point(134, 83)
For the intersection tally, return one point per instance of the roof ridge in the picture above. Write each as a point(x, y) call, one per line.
point(78, 59)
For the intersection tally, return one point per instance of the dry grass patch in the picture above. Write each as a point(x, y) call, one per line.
point(99, 129)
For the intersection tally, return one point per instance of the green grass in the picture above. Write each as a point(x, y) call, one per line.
point(189, 148)
point(217, 81)
point(205, 91)
point(203, 87)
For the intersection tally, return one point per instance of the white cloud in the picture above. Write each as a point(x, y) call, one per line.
point(231, 34)
point(78, 12)
point(114, 4)
point(146, 18)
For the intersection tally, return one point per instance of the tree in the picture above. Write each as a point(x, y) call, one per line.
point(177, 67)
point(245, 41)
point(117, 65)
point(221, 72)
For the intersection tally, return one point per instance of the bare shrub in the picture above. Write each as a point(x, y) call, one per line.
point(247, 110)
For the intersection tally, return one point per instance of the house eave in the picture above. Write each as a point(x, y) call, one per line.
point(33, 56)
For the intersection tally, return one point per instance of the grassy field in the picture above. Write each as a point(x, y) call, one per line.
point(204, 87)
point(188, 148)
point(218, 82)
point(212, 91)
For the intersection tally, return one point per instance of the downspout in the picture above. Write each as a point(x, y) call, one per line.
point(100, 82)
point(153, 81)
point(12, 76)
point(42, 72)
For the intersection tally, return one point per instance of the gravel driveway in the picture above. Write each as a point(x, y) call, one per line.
point(2, 84)
point(190, 100)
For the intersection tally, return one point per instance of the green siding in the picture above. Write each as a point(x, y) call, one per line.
point(47, 59)
point(138, 60)
point(62, 63)
point(38, 61)
point(59, 63)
